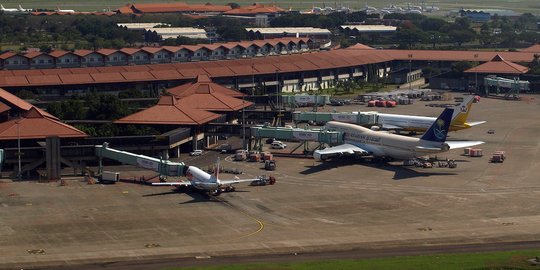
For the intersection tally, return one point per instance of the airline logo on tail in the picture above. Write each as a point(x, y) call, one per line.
point(439, 130)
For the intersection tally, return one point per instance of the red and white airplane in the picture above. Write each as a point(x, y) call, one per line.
point(202, 180)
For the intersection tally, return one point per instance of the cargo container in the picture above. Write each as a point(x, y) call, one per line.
point(109, 177)
point(467, 151)
point(267, 156)
point(475, 152)
point(498, 157)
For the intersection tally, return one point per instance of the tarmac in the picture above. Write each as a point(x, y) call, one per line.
point(314, 207)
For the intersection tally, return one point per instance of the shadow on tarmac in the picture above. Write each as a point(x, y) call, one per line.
point(400, 172)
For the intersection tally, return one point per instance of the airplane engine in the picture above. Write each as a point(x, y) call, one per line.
point(445, 147)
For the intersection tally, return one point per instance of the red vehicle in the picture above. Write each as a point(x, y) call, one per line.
point(391, 103)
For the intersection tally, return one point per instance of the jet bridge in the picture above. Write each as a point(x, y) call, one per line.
point(321, 136)
point(163, 167)
point(511, 87)
point(359, 118)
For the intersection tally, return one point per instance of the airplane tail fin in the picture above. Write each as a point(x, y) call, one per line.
point(461, 111)
point(2, 7)
point(439, 129)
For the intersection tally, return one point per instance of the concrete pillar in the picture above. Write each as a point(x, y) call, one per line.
point(194, 141)
point(165, 154)
point(52, 153)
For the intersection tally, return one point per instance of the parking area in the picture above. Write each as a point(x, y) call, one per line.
point(314, 206)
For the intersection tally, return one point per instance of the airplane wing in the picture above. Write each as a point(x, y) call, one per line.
point(472, 124)
point(462, 144)
point(339, 150)
point(429, 149)
point(172, 184)
point(236, 181)
point(386, 126)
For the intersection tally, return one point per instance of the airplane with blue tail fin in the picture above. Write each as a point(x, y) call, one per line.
point(362, 141)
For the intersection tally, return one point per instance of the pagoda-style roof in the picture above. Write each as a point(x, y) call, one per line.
point(4, 107)
point(498, 65)
point(169, 111)
point(202, 84)
point(36, 125)
point(214, 101)
point(13, 101)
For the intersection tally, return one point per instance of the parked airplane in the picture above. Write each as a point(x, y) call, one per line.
point(21, 9)
point(363, 141)
point(9, 10)
point(202, 180)
point(64, 10)
point(415, 123)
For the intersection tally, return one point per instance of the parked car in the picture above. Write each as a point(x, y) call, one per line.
point(270, 140)
point(196, 153)
point(278, 145)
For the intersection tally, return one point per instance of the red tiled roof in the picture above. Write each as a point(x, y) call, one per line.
point(498, 65)
point(166, 74)
point(206, 99)
point(254, 9)
point(32, 54)
point(136, 68)
point(202, 85)
point(4, 107)
point(14, 101)
point(129, 51)
point(36, 125)
point(106, 51)
point(169, 111)
point(172, 7)
point(439, 55)
point(360, 46)
point(47, 79)
point(107, 77)
point(172, 49)
point(82, 52)
point(152, 50)
point(58, 53)
point(533, 48)
point(7, 55)
point(76, 78)
point(55, 71)
point(138, 76)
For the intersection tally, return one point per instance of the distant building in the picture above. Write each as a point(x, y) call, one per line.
point(484, 15)
point(316, 34)
point(174, 32)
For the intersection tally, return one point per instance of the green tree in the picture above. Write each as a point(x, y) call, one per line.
point(462, 36)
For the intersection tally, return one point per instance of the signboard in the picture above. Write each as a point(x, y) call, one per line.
point(346, 118)
point(306, 135)
point(304, 99)
point(148, 164)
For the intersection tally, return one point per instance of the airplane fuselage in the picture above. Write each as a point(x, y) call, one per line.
point(200, 179)
point(381, 144)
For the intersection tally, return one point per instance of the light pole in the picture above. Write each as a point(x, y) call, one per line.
point(19, 174)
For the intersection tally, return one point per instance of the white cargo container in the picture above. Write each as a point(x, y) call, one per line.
point(110, 177)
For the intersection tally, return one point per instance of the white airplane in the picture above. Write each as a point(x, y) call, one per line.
point(202, 180)
point(415, 123)
point(64, 10)
point(363, 141)
point(21, 9)
point(9, 10)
